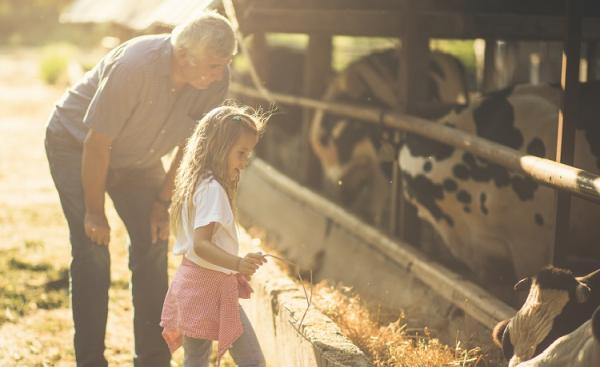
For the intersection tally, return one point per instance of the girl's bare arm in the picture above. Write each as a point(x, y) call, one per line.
point(205, 249)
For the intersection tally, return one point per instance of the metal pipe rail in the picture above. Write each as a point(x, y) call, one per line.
point(557, 175)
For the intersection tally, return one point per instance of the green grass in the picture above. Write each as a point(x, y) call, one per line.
point(29, 283)
point(347, 49)
point(462, 49)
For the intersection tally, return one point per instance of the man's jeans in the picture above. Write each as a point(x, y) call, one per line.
point(133, 192)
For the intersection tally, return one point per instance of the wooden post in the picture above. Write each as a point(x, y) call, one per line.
point(565, 145)
point(591, 55)
point(414, 67)
point(317, 70)
point(489, 65)
point(258, 50)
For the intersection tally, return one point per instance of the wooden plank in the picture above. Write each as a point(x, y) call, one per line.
point(344, 22)
point(413, 69)
point(591, 8)
point(592, 62)
point(565, 145)
point(504, 26)
point(489, 66)
point(390, 24)
point(328, 4)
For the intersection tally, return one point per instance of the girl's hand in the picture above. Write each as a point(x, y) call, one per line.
point(250, 263)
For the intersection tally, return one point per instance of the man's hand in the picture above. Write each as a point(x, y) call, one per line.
point(250, 263)
point(94, 168)
point(159, 222)
point(97, 228)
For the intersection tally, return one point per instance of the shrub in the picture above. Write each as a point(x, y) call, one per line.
point(54, 63)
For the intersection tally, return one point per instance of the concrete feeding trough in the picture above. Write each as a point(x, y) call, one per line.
point(276, 309)
point(316, 234)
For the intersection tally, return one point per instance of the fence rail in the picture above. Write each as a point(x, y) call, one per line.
point(557, 175)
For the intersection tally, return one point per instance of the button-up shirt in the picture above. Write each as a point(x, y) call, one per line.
point(129, 96)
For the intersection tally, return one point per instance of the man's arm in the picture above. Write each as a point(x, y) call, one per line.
point(159, 217)
point(94, 167)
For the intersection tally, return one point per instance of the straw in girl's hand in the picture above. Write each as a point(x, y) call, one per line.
point(308, 298)
point(250, 263)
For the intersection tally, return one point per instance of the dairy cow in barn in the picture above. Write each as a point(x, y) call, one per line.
point(501, 224)
point(355, 173)
point(581, 348)
point(557, 304)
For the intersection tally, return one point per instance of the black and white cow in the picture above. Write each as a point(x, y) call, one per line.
point(581, 348)
point(498, 223)
point(354, 169)
point(557, 304)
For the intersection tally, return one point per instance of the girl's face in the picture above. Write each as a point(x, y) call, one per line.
point(237, 158)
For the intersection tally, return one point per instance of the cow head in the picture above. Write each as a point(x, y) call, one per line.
point(581, 348)
point(557, 304)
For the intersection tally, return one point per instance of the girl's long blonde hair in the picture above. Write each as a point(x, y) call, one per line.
point(206, 154)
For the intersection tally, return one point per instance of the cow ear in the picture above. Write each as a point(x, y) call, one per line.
point(523, 284)
point(498, 332)
point(582, 292)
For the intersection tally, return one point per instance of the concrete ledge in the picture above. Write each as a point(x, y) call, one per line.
point(275, 310)
point(321, 236)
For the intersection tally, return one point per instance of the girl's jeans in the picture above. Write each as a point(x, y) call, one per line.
point(133, 193)
point(245, 351)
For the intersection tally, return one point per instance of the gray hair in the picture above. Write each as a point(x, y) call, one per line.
point(208, 33)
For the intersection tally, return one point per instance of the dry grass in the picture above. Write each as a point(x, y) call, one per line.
point(392, 344)
point(387, 344)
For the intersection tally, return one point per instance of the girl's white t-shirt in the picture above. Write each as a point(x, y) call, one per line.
point(211, 205)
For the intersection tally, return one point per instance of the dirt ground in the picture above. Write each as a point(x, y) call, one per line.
point(35, 320)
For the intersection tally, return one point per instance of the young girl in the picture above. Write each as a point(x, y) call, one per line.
point(202, 302)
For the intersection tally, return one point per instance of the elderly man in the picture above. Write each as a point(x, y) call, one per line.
point(108, 134)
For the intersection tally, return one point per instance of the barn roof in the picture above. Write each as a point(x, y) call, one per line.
point(499, 19)
point(135, 14)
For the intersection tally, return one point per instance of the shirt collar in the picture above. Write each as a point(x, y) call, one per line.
point(165, 60)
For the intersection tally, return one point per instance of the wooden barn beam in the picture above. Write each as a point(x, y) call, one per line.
point(343, 22)
point(533, 7)
point(413, 71)
point(489, 65)
point(591, 54)
point(317, 70)
point(565, 145)
point(384, 23)
point(504, 26)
